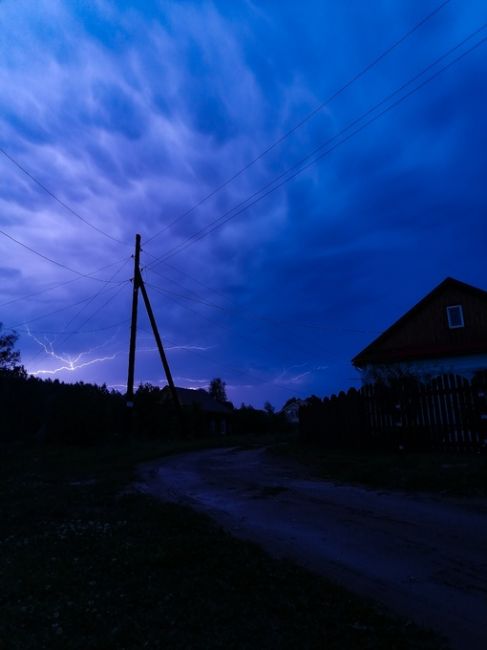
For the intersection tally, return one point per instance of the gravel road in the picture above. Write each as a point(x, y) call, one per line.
point(422, 556)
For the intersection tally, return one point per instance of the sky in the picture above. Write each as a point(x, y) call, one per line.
point(180, 121)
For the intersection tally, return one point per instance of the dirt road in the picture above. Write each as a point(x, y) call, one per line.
point(421, 556)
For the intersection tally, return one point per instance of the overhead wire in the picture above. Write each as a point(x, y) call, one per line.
point(57, 285)
point(462, 55)
point(449, 52)
point(58, 200)
point(53, 261)
point(308, 117)
point(67, 335)
point(264, 192)
point(195, 297)
point(47, 314)
point(191, 277)
point(92, 315)
point(243, 169)
point(235, 370)
point(248, 315)
point(100, 308)
point(284, 136)
point(228, 328)
point(290, 344)
point(77, 331)
point(55, 311)
point(95, 296)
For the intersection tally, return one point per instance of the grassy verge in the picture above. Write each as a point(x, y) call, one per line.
point(449, 474)
point(86, 564)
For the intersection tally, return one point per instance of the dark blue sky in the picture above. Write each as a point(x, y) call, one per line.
point(131, 113)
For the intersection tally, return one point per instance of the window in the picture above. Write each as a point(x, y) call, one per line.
point(455, 316)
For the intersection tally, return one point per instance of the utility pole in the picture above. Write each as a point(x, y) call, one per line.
point(162, 354)
point(138, 283)
point(133, 326)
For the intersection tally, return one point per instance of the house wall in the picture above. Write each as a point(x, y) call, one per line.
point(425, 369)
point(426, 331)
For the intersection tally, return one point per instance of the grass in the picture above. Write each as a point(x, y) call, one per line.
point(455, 475)
point(86, 563)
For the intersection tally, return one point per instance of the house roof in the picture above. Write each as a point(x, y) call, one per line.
point(200, 398)
point(377, 351)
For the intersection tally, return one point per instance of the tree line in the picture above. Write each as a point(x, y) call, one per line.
point(83, 413)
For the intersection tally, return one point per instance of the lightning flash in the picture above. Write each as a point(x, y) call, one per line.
point(70, 363)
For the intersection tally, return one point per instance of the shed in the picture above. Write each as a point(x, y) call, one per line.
point(206, 414)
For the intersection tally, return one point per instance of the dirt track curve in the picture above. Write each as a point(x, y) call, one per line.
point(423, 556)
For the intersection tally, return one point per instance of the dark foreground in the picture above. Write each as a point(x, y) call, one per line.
point(84, 563)
point(423, 556)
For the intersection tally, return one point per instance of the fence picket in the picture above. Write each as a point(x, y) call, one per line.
point(447, 412)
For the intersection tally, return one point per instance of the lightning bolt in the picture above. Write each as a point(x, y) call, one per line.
point(186, 348)
point(72, 366)
point(70, 363)
point(285, 377)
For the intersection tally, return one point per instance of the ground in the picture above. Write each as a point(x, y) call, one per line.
point(449, 474)
point(86, 562)
point(423, 555)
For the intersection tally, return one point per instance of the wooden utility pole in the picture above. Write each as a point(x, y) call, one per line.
point(162, 354)
point(138, 283)
point(133, 326)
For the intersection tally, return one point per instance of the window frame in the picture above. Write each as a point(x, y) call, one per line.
point(448, 313)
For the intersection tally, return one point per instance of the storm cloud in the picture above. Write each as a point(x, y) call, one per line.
point(132, 113)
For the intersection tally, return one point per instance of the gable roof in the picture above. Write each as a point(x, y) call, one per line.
point(199, 397)
point(375, 351)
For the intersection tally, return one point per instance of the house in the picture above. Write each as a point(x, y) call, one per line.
point(445, 332)
point(290, 410)
point(205, 414)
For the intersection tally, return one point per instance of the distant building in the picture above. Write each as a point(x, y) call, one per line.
point(291, 410)
point(445, 332)
point(207, 415)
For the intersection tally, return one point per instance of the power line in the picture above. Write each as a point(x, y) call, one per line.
point(307, 118)
point(55, 311)
point(185, 297)
point(49, 259)
point(291, 344)
point(78, 331)
point(185, 273)
point(268, 149)
point(191, 277)
point(294, 344)
point(68, 335)
point(97, 311)
point(86, 302)
point(95, 296)
point(58, 200)
point(57, 285)
point(235, 370)
point(220, 221)
point(280, 323)
point(245, 314)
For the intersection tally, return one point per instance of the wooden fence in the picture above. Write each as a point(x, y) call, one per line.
point(448, 412)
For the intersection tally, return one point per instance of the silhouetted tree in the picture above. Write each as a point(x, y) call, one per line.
point(217, 390)
point(9, 357)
